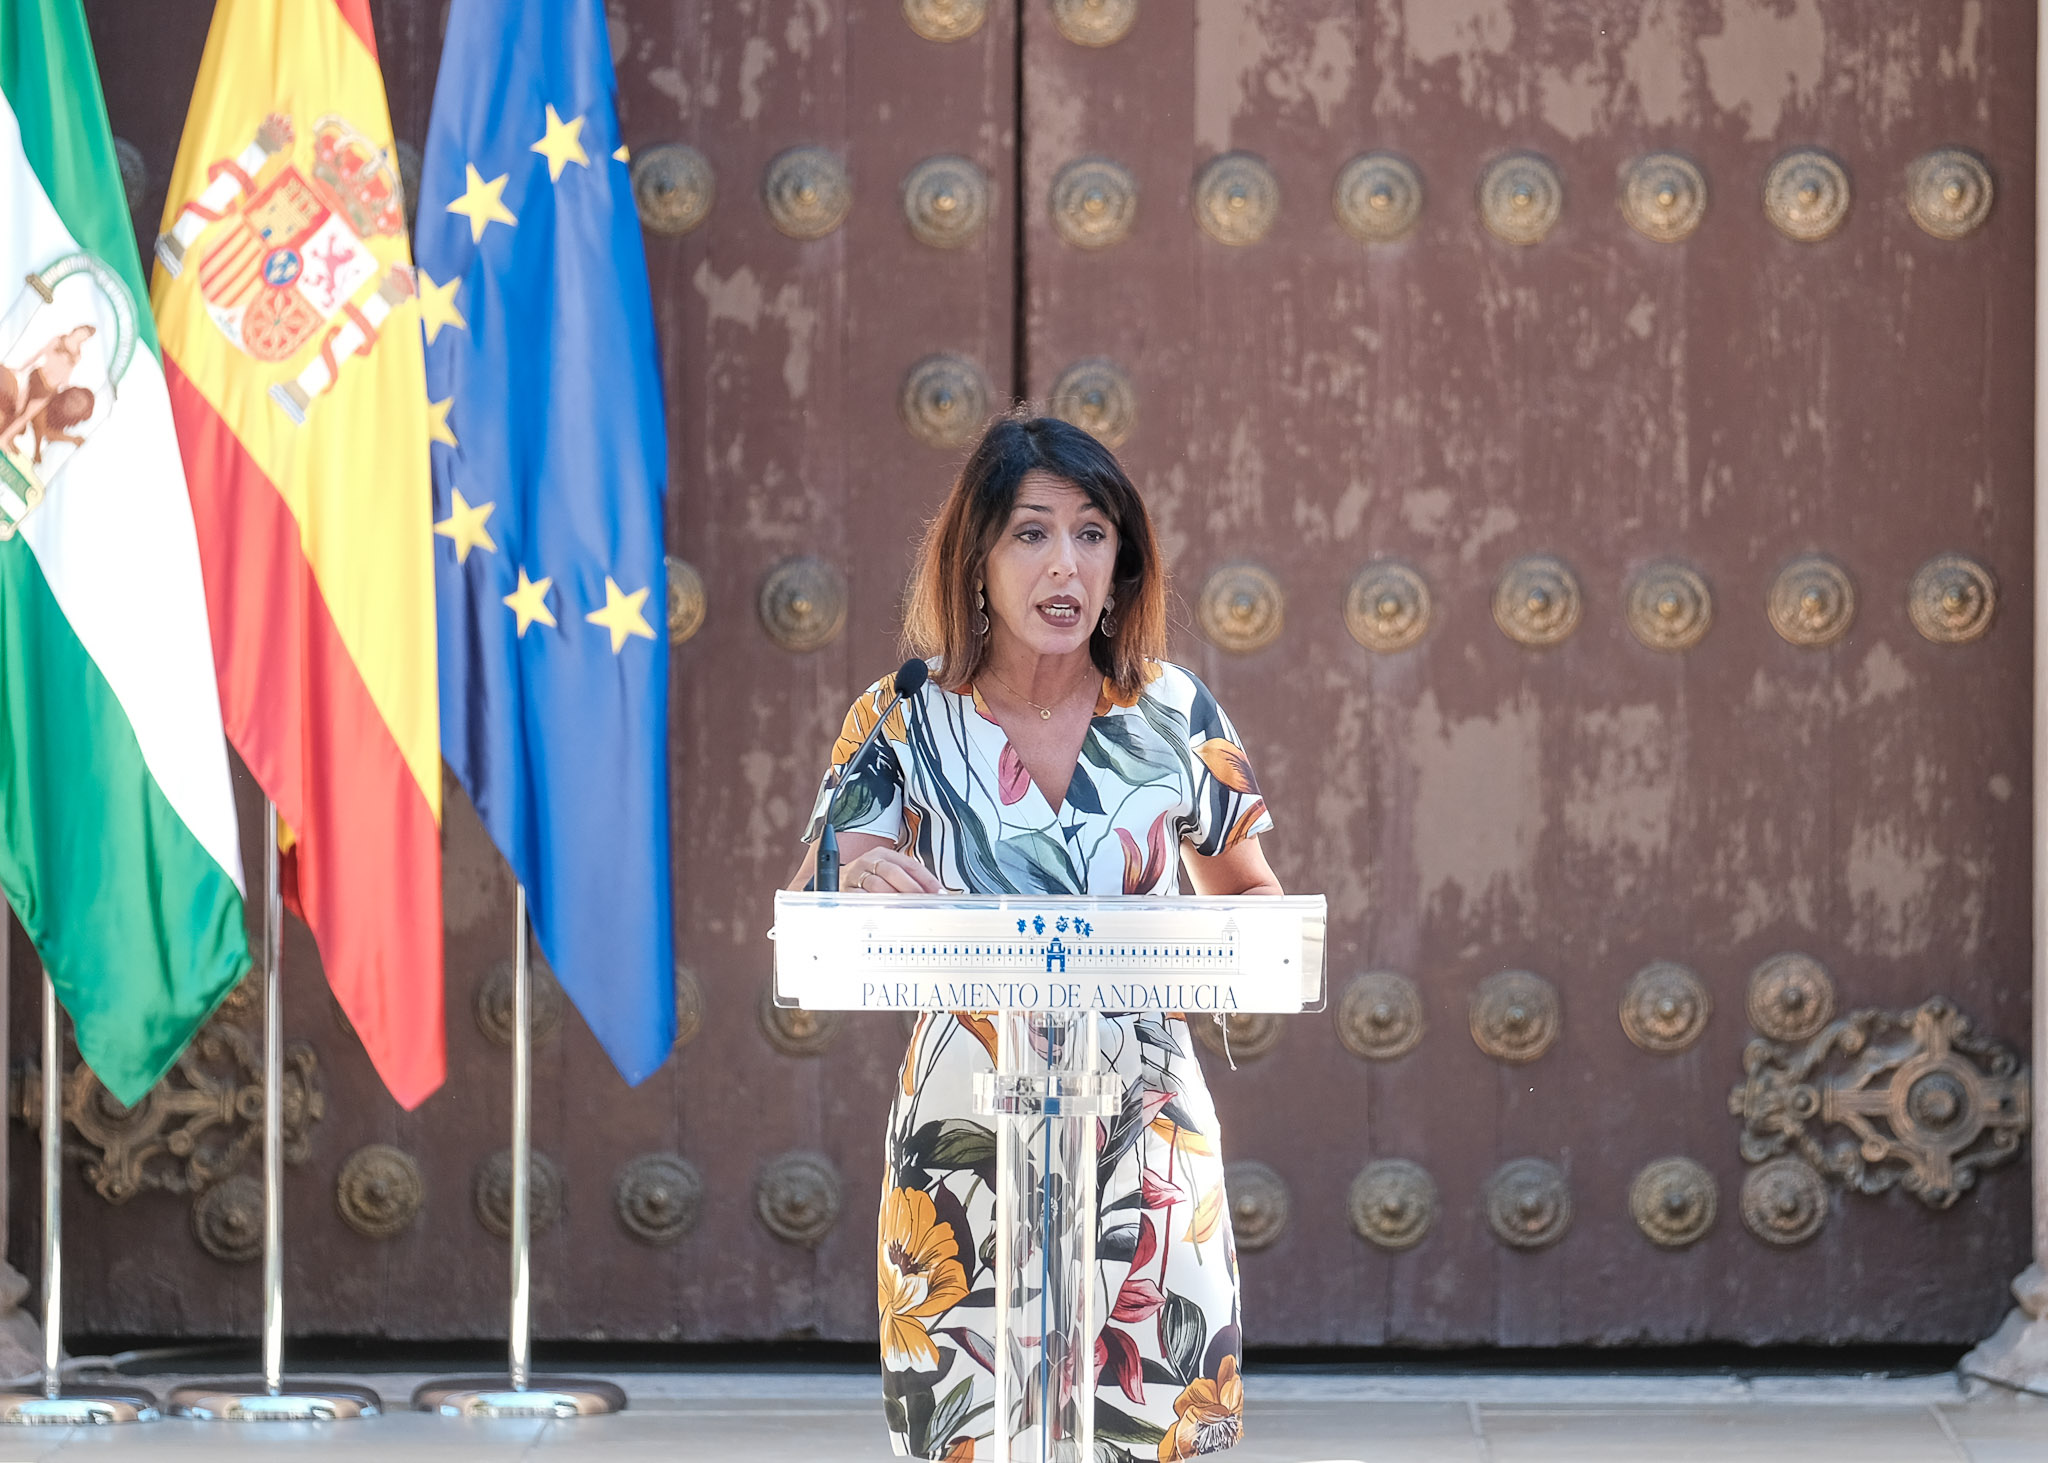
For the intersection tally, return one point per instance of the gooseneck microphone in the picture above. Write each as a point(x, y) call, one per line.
point(908, 681)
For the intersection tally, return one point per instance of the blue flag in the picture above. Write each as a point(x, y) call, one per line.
point(549, 463)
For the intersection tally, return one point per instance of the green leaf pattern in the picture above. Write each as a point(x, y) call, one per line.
point(1136, 762)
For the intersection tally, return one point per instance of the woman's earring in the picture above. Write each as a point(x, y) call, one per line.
point(1108, 609)
point(980, 611)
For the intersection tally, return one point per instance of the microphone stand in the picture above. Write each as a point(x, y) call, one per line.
point(906, 682)
point(825, 879)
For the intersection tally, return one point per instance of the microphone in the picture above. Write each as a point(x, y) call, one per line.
point(908, 681)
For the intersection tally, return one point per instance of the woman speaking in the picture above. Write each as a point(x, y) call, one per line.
point(1053, 750)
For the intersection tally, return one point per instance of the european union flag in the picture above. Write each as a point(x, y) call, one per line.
point(549, 463)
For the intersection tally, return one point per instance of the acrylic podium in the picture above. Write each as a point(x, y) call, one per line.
point(1046, 967)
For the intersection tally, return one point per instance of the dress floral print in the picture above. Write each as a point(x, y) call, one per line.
point(1157, 771)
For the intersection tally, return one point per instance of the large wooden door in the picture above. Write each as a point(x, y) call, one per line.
point(1617, 594)
point(1451, 501)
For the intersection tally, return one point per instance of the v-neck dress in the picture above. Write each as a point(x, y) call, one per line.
point(1157, 772)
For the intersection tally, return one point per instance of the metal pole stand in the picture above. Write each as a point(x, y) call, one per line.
point(244, 1399)
point(56, 1403)
point(526, 1395)
point(1047, 1094)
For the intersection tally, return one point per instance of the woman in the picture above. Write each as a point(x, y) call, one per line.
point(1052, 751)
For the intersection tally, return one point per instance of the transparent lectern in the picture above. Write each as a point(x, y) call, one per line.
point(1047, 967)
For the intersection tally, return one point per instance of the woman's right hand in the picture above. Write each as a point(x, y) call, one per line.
point(887, 870)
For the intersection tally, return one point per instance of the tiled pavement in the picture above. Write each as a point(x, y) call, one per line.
point(1294, 1417)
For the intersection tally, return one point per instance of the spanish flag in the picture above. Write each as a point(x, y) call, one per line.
point(286, 304)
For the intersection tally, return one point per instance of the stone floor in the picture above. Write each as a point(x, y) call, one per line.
point(1294, 1417)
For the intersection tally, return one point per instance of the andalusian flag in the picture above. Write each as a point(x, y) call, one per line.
point(117, 827)
point(291, 333)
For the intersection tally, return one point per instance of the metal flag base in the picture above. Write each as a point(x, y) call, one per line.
point(518, 1394)
point(270, 1398)
point(57, 1404)
point(540, 1397)
point(78, 1406)
point(296, 1401)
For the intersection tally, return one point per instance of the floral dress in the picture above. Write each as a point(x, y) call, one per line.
point(1156, 771)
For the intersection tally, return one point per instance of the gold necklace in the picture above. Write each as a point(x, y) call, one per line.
point(1044, 712)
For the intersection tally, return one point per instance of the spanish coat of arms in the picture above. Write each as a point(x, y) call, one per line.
point(288, 258)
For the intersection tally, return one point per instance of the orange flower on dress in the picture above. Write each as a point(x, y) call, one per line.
point(1226, 759)
point(1110, 698)
point(909, 1076)
point(1243, 828)
point(918, 1277)
point(860, 720)
point(1210, 1416)
point(1187, 1140)
point(981, 1026)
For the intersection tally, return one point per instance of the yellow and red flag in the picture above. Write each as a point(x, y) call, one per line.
point(285, 301)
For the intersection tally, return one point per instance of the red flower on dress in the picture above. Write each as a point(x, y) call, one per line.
point(1157, 1191)
point(1138, 1300)
point(1116, 1355)
point(1012, 781)
point(1148, 1243)
point(1142, 871)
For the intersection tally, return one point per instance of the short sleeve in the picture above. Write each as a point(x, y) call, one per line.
point(1227, 806)
point(874, 798)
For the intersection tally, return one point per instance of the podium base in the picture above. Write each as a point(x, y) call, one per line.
point(299, 1401)
point(78, 1406)
point(541, 1397)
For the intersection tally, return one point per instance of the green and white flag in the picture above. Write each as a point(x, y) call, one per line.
point(118, 845)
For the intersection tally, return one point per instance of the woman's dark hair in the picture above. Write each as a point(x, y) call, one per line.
point(940, 618)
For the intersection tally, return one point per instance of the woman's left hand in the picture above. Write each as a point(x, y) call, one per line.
point(887, 871)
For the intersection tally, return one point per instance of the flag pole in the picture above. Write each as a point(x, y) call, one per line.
point(53, 1197)
point(527, 1395)
point(521, 1347)
point(239, 1401)
point(6, 1048)
point(53, 1402)
point(273, 1109)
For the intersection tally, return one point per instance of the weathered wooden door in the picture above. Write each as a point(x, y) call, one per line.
point(1592, 441)
point(1561, 522)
